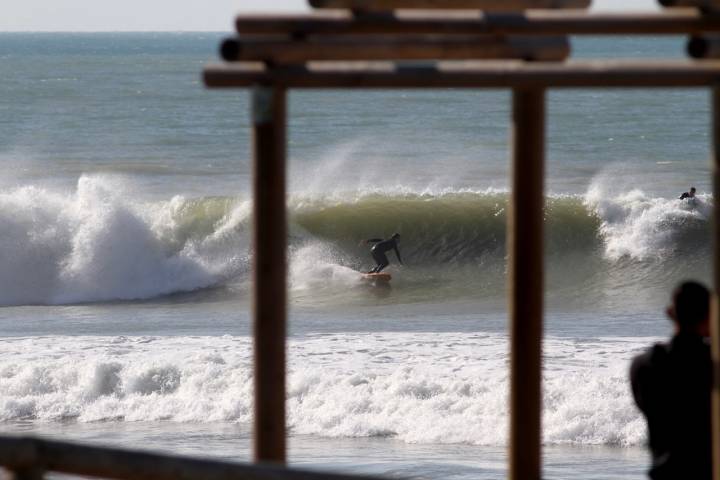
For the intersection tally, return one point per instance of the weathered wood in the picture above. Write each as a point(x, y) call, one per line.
point(26, 474)
point(704, 46)
point(525, 275)
point(66, 457)
point(486, 5)
point(270, 271)
point(715, 310)
point(707, 5)
point(509, 74)
point(669, 22)
point(476, 47)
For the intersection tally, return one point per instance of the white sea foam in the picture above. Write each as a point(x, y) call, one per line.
point(97, 243)
point(416, 387)
point(638, 226)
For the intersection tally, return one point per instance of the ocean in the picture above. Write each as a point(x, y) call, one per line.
point(125, 253)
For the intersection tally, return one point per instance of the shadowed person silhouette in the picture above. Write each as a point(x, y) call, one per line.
point(671, 383)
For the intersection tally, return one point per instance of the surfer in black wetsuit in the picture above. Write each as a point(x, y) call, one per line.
point(690, 194)
point(380, 248)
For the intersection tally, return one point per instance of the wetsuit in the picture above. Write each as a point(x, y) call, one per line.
point(378, 252)
point(671, 384)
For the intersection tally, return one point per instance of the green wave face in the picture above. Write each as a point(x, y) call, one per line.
point(446, 229)
point(452, 245)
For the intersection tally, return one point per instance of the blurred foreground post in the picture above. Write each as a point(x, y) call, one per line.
point(269, 244)
point(715, 310)
point(525, 250)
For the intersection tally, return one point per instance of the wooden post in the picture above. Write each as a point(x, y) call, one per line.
point(525, 250)
point(715, 315)
point(270, 237)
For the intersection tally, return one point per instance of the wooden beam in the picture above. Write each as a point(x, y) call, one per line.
point(715, 310)
point(707, 5)
point(27, 474)
point(508, 74)
point(270, 271)
point(486, 5)
point(277, 51)
point(704, 46)
point(16, 453)
point(670, 22)
point(525, 275)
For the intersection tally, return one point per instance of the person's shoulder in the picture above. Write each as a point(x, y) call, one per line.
point(649, 358)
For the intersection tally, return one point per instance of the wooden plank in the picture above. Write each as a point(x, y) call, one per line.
point(525, 275)
point(669, 22)
point(704, 46)
point(27, 474)
point(280, 50)
point(104, 462)
point(508, 74)
point(715, 310)
point(270, 271)
point(486, 5)
point(707, 5)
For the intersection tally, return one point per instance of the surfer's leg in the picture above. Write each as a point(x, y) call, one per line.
point(382, 261)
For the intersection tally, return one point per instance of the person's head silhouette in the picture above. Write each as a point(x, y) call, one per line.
point(690, 308)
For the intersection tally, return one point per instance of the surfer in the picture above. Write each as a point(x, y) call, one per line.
point(690, 194)
point(380, 248)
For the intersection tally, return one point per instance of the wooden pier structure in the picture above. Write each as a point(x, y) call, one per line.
point(520, 45)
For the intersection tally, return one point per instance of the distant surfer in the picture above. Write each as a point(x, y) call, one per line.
point(690, 195)
point(380, 249)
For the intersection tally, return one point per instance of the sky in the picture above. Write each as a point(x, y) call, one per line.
point(170, 15)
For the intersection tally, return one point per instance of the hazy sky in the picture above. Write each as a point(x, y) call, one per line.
point(160, 15)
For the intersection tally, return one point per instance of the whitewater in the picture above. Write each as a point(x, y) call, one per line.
point(99, 244)
point(126, 260)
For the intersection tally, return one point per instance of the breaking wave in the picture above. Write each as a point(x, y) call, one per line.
point(98, 243)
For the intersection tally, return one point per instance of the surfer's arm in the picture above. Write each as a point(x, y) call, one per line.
point(369, 241)
point(397, 252)
point(683, 196)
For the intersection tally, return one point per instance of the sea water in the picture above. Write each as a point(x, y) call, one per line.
point(125, 252)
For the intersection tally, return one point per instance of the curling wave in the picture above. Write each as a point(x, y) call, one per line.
point(98, 243)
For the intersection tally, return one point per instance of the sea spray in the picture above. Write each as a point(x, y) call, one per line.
point(98, 243)
point(640, 227)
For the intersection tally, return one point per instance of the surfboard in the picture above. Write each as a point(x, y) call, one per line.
point(377, 277)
